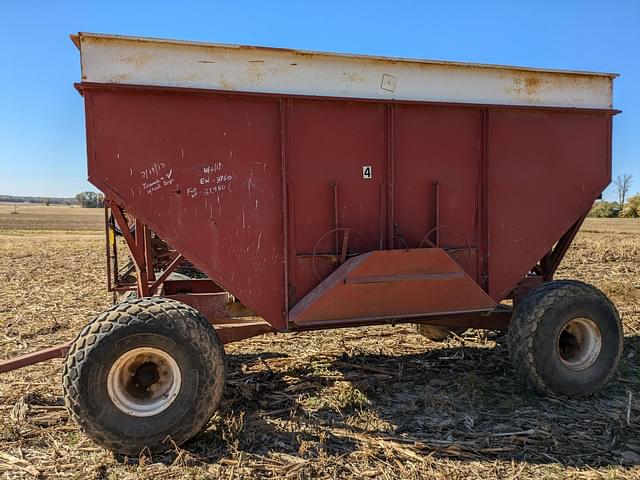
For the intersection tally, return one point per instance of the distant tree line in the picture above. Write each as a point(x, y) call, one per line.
point(84, 199)
point(90, 199)
point(624, 207)
point(45, 200)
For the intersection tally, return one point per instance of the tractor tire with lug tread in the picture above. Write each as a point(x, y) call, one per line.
point(565, 338)
point(143, 374)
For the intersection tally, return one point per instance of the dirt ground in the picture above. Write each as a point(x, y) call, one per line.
point(377, 402)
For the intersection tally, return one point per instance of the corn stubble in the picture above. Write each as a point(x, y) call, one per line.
point(378, 402)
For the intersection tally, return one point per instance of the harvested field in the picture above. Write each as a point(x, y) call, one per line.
point(379, 402)
point(23, 217)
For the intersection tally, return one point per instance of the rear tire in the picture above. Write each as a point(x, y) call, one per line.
point(143, 374)
point(565, 338)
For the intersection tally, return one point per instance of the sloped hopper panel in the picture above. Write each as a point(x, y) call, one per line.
point(204, 172)
point(545, 169)
point(392, 283)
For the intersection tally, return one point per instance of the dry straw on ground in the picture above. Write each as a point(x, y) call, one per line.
point(366, 403)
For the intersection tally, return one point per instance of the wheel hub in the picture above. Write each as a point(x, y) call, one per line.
point(579, 344)
point(147, 374)
point(144, 381)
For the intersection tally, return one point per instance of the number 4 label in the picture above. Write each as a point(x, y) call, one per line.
point(366, 171)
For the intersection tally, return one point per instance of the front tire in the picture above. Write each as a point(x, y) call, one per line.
point(143, 374)
point(565, 338)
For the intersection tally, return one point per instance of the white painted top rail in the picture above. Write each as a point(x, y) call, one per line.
point(141, 61)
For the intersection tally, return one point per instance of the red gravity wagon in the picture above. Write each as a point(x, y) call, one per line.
point(303, 191)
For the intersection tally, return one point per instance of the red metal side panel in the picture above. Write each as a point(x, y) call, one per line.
point(205, 172)
point(441, 145)
point(328, 144)
point(546, 168)
point(392, 283)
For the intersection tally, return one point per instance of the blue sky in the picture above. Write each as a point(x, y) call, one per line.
point(42, 144)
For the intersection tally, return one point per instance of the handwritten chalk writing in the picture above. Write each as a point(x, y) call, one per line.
point(213, 189)
point(212, 181)
point(153, 186)
point(152, 171)
point(216, 167)
point(154, 178)
point(211, 174)
point(210, 184)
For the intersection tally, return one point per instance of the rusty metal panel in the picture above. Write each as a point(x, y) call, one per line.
point(192, 285)
point(269, 194)
point(143, 61)
point(437, 164)
point(329, 145)
point(214, 174)
point(35, 357)
point(232, 330)
point(205, 173)
point(213, 306)
point(545, 170)
point(237, 331)
point(392, 283)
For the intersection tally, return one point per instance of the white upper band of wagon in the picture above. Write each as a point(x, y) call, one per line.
point(168, 63)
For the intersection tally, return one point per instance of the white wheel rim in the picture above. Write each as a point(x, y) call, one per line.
point(144, 381)
point(579, 344)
